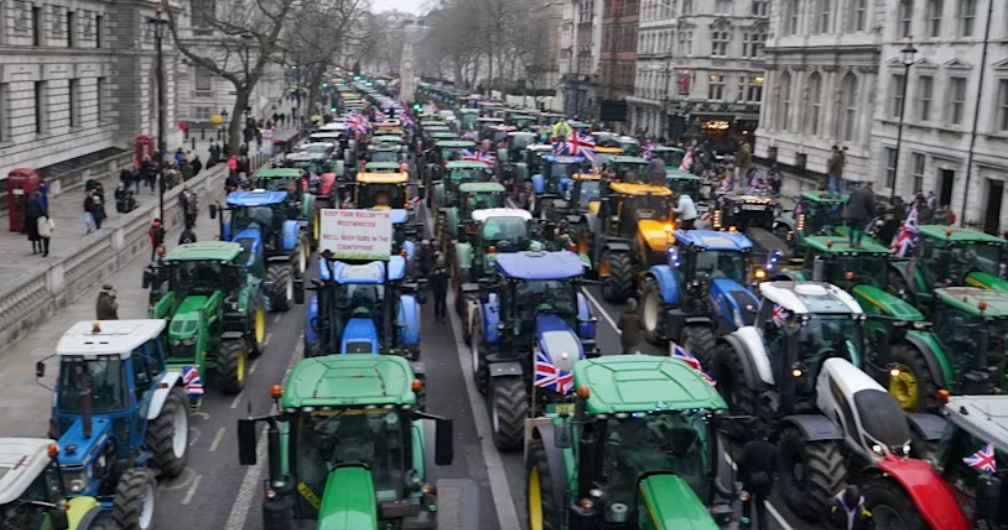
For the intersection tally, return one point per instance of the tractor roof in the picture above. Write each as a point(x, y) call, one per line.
point(303, 148)
point(378, 166)
point(354, 380)
point(675, 174)
point(562, 159)
point(455, 143)
point(521, 133)
point(204, 251)
point(667, 149)
point(625, 188)
point(113, 337)
point(643, 383)
point(822, 196)
point(840, 245)
point(432, 123)
point(953, 233)
point(444, 135)
point(628, 160)
point(366, 273)
point(968, 300)
point(480, 216)
point(301, 156)
point(256, 198)
point(482, 187)
point(465, 164)
point(333, 126)
point(611, 151)
point(586, 176)
point(808, 298)
point(713, 240)
point(382, 178)
point(22, 460)
point(386, 138)
point(326, 134)
point(539, 265)
point(539, 148)
point(981, 416)
point(280, 172)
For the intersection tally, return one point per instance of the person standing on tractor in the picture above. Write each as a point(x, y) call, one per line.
point(756, 466)
point(835, 167)
point(859, 209)
point(630, 325)
point(686, 212)
point(439, 284)
point(848, 512)
point(561, 130)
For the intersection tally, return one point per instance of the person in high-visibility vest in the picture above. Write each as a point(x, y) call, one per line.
point(561, 130)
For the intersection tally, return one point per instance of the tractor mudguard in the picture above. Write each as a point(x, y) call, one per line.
point(986, 281)
point(929, 426)
point(554, 460)
point(586, 329)
point(538, 184)
point(503, 368)
point(756, 363)
point(930, 494)
point(668, 285)
point(814, 427)
point(491, 317)
point(463, 256)
point(785, 222)
point(880, 302)
point(82, 511)
point(291, 228)
point(934, 355)
point(169, 380)
point(733, 302)
point(749, 372)
point(226, 229)
point(408, 320)
point(671, 503)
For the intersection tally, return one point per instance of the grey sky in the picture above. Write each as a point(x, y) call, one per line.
point(407, 6)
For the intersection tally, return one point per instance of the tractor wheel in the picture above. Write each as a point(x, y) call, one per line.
point(617, 275)
point(134, 499)
point(103, 521)
point(699, 340)
point(257, 331)
point(316, 228)
point(283, 287)
point(232, 365)
point(509, 407)
point(304, 251)
point(651, 310)
point(811, 473)
point(915, 388)
point(891, 507)
point(168, 435)
point(731, 381)
point(543, 513)
point(480, 372)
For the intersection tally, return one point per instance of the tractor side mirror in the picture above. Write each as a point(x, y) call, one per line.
point(444, 438)
point(247, 442)
point(988, 497)
point(563, 434)
point(299, 292)
point(213, 211)
point(40, 369)
point(58, 519)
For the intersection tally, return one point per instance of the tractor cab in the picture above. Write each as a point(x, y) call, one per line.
point(684, 182)
point(517, 142)
point(630, 146)
point(672, 156)
point(845, 266)
point(524, 122)
point(457, 173)
point(501, 230)
point(815, 213)
point(604, 155)
point(640, 213)
point(443, 136)
point(702, 257)
point(446, 151)
point(307, 161)
point(467, 119)
point(555, 174)
point(628, 169)
point(390, 140)
point(290, 180)
point(260, 210)
point(378, 166)
point(382, 190)
point(386, 154)
point(949, 256)
point(585, 193)
point(537, 284)
point(972, 325)
point(326, 149)
point(548, 118)
point(479, 195)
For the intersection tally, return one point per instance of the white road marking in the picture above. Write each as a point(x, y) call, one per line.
point(276, 319)
point(234, 404)
point(267, 339)
point(253, 366)
point(250, 484)
point(217, 439)
point(192, 490)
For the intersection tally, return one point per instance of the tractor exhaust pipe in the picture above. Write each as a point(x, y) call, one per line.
point(85, 406)
point(273, 446)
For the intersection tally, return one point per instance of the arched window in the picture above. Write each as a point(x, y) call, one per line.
point(815, 103)
point(849, 97)
point(783, 102)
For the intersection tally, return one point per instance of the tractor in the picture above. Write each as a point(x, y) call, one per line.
point(458, 172)
point(120, 415)
point(552, 182)
point(630, 146)
point(630, 232)
point(700, 292)
point(438, 156)
point(471, 196)
point(266, 219)
point(364, 307)
point(628, 169)
point(387, 154)
point(383, 190)
point(816, 213)
point(743, 210)
point(32, 493)
point(798, 369)
point(514, 151)
point(216, 312)
point(671, 473)
point(298, 185)
point(531, 325)
point(349, 456)
point(672, 156)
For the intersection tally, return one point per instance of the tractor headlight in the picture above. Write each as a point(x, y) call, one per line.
point(878, 449)
point(737, 210)
point(189, 342)
point(906, 448)
point(175, 342)
point(76, 485)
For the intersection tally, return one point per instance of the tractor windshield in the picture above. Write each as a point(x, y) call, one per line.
point(468, 121)
point(23, 514)
point(250, 260)
point(820, 216)
point(384, 156)
point(641, 443)
point(377, 438)
point(360, 300)
point(949, 262)
point(713, 264)
point(507, 234)
point(196, 277)
point(590, 192)
point(537, 297)
point(646, 207)
point(451, 153)
point(104, 376)
point(261, 217)
point(847, 271)
point(372, 195)
point(689, 187)
point(459, 176)
point(480, 201)
point(317, 148)
point(824, 336)
point(966, 335)
point(275, 184)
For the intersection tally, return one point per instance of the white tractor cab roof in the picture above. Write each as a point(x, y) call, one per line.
point(981, 416)
point(539, 148)
point(809, 298)
point(334, 127)
point(22, 460)
point(480, 216)
point(89, 339)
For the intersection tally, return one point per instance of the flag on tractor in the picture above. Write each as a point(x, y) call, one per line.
point(904, 241)
point(549, 376)
point(687, 161)
point(780, 315)
point(678, 352)
point(477, 156)
point(582, 145)
point(983, 460)
point(648, 150)
point(191, 382)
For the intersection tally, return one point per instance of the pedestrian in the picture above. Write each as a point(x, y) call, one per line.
point(148, 173)
point(93, 204)
point(197, 165)
point(186, 171)
point(131, 202)
point(125, 177)
point(439, 285)
point(756, 465)
point(179, 156)
point(120, 197)
point(630, 327)
point(157, 236)
point(686, 212)
point(847, 511)
point(89, 220)
point(45, 226)
point(107, 308)
point(187, 236)
point(33, 212)
point(191, 205)
point(859, 209)
point(835, 168)
point(425, 258)
point(44, 193)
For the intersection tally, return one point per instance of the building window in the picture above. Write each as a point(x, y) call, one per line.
point(783, 102)
point(715, 87)
point(38, 25)
point(917, 162)
point(761, 8)
point(73, 101)
point(904, 19)
point(791, 15)
point(687, 7)
point(71, 29)
point(850, 96)
point(890, 177)
point(934, 17)
point(41, 124)
point(752, 44)
point(98, 31)
point(925, 93)
point(753, 88)
point(896, 95)
point(4, 112)
point(100, 88)
point(956, 100)
point(689, 43)
point(856, 19)
point(722, 7)
point(815, 103)
point(719, 43)
point(1003, 105)
point(824, 16)
point(966, 16)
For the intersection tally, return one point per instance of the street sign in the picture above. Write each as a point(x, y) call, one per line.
point(356, 234)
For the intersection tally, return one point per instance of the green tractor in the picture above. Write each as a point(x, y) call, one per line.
point(624, 164)
point(672, 156)
point(299, 197)
point(639, 448)
point(815, 213)
point(349, 447)
point(216, 312)
point(437, 159)
point(472, 196)
point(684, 182)
point(457, 173)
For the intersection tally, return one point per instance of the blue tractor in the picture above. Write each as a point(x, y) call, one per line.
point(364, 307)
point(121, 417)
point(530, 326)
point(701, 292)
point(553, 181)
point(265, 224)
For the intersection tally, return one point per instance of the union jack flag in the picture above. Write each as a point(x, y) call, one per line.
point(191, 381)
point(582, 145)
point(560, 148)
point(549, 376)
point(357, 122)
point(780, 315)
point(406, 120)
point(678, 352)
point(478, 156)
point(906, 238)
point(687, 161)
point(984, 460)
point(648, 150)
point(754, 182)
point(726, 184)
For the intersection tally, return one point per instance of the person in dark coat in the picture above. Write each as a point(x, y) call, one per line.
point(756, 465)
point(425, 258)
point(126, 177)
point(439, 286)
point(847, 511)
point(120, 198)
point(107, 308)
point(197, 165)
point(157, 236)
point(860, 208)
point(630, 327)
point(34, 210)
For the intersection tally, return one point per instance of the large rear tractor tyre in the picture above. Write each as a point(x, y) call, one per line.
point(232, 366)
point(103, 521)
point(915, 388)
point(698, 339)
point(283, 286)
point(168, 435)
point(891, 507)
point(728, 371)
point(479, 365)
point(812, 472)
point(617, 275)
point(651, 310)
point(543, 513)
point(135, 499)
point(509, 407)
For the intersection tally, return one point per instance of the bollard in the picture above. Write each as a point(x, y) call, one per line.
point(193, 142)
point(202, 133)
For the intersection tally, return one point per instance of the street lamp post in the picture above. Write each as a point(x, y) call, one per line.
point(159, 23)
point(908, 52)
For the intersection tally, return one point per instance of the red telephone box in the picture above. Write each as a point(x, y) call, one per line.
point(21, 183)
point(144, 146)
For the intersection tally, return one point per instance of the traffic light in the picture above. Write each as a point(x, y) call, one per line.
point(332, 110)
point(325, 85)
